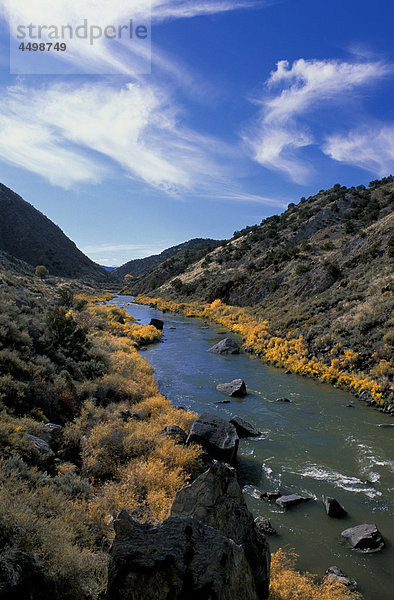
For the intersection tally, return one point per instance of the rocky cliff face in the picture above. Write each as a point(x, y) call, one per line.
point(208, 548)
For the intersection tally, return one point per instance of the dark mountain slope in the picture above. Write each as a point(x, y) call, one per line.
point(26, 234)
point(142, 266)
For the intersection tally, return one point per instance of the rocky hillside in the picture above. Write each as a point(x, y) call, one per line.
point(27, 235)
point(323, 268)
point(191, 250)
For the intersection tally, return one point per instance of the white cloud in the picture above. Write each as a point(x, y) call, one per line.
point(107, 56)
point(304, 86)
point(372, 149)
point(65, 133)
point(240, 196)
point(34, 147)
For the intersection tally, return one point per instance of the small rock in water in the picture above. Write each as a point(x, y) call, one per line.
point(366, 538)
point(333, 508)
point(157, 323)
point(335, 575)
point(291, 500)
point(244, 429)
point(222, 402)
point(288, 372)
point(283, 400)
point(226, 346)
point(271, 495)
point(264, 526)
point(236, 388)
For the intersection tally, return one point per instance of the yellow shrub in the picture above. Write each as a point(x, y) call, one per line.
point(289, 584)
point(290, 352)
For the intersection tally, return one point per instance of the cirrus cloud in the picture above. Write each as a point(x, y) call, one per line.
point(282, 129)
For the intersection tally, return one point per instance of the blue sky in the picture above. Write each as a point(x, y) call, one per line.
point(248, 106)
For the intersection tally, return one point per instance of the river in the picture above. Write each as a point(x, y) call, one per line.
point(316, 445)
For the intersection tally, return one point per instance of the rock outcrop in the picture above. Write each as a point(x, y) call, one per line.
point(42, 447)
point(209, 548)
point(244, 429)
point(235, 388)
point(216, 499)
point(179, 559)
point(366, 538)
point(226, 346)
point(218, 437)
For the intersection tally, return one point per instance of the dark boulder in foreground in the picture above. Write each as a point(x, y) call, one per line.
point(291, 500)
point(176, 433)
point(264, 526)
point(157, 323)
point(218, 437)
point(244, 429)
point(226, 346)
point(333, 508)
point(236, 388)
point(366, 538)
point(335, 575)
point(179, 559)
point(216, 499)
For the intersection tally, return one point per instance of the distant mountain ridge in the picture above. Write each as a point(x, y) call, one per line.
point(28, 235)
point(142, 266)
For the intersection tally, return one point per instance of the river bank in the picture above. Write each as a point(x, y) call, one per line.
point(333, 366)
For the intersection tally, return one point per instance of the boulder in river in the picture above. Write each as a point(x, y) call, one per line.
point(216, 499)
point(176, 433)
point(364, 537)
point(218, 437)
point(283, 400)
point(179, 558)
point(333, 508)
point(226, 346)
point(264, 526)
point(271, 495)
point(335, 575)
point(236, 388)
point(244, 429)
point(291, 500)
point(157, 323)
